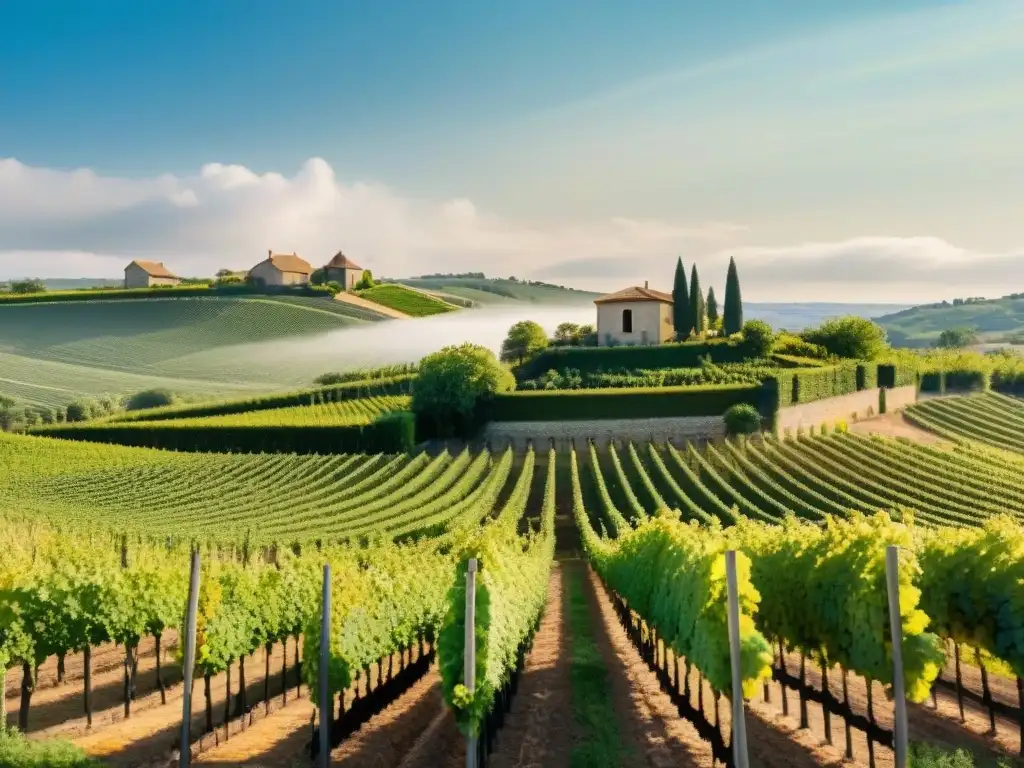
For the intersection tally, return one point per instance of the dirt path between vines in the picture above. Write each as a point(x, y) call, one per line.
point(940, 727)
point(59, 709)
point(149, 736)
point(538, 729)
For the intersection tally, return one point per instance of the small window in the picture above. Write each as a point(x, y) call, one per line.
point(627, 321)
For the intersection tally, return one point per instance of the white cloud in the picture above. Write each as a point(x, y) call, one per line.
point(78, 224)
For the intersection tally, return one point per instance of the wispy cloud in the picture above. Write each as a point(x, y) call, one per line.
point(78, 223)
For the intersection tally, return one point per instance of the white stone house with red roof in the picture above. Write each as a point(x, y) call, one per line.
point(281, 269)
point(634, 316)
point(147, 274)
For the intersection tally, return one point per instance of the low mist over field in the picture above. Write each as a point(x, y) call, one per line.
point(296, 362)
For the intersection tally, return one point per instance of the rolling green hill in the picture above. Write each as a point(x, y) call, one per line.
point(52, 353)
point(489, 290)
point(920, 326)
point(411, 302)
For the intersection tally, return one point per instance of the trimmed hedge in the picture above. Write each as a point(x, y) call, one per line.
point(632, 403)
point(891, 376)
point(1011, 383)
point(395, 385)
point(967, 381)
point(390, 433)
point(593, 359)
point(933, 381)
point(806, 385)
point(170, 291)
point(867, 376)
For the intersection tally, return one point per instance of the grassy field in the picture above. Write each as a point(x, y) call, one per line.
point(53, 353)
point(410, 302)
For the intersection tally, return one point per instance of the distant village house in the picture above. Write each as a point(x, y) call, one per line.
point(281, 269)
point(634, 316)
point(147, 274)
point(343, 270)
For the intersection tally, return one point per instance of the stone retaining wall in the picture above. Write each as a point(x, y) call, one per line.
point(601, 431)
point(848, 408)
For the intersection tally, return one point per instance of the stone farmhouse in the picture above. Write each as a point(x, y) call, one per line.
point(281, 269)
point(147, 274)
point(343, 270)
point(634, 316)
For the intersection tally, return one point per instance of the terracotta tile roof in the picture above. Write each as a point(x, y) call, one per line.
point(341, 261)
point(635, 293)
point(286, 262)
point(153, 268)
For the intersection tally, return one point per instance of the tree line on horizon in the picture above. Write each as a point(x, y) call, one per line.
point(695, 315)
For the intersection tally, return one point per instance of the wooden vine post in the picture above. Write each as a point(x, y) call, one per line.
point(185, 752)
point(469, 671)
point(892, 578)
point(739, 723)
point(325, 660)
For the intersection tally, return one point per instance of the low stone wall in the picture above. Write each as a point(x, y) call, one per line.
point(602, 431)
point(848, 408)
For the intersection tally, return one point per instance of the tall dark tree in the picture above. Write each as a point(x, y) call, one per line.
point(712, 307)
point(681, 303)
point(697, 308)
point(732, 315)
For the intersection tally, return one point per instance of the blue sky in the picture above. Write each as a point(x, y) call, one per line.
point(563, 137)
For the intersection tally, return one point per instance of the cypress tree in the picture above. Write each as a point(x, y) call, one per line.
point(712, 307)
point(681, 303)
point(732, 317)
point(697, 310)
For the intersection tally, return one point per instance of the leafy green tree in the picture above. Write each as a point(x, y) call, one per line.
point(957, 338)
point(758, 338)
point(732, 314)
point(567, 334)
point(32, 285)
point(319, 276)
point(149, 398)
point(712, 307)
point(682, 320)
point(453, 382)
point(525, 339)
point(852, 337)
point(79, 410)
point(698, 311)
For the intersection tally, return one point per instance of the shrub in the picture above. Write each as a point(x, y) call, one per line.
point(149, 398)
point(840, 427)
point(588, 359)
point(742, 419)
point(794, 346)
point(881, 400)
point(849, 337)
point(758, 338)
point(79, 410)
point(454, 383)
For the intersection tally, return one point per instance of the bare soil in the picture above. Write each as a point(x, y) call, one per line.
point(895, 425)
point(538, 730)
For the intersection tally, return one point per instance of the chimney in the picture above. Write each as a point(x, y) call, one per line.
point(645, 284)
point(270, 252)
